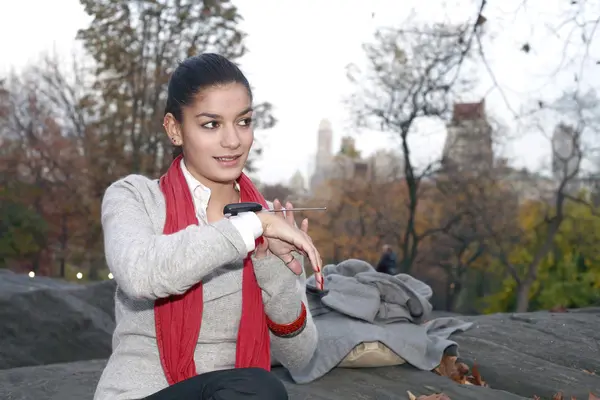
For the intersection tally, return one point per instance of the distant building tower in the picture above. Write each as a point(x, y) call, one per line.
point(324, 154)
point(324, 145)
point(566, 154)
point(468, 143)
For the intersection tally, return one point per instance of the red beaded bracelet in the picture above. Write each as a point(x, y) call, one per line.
point(289, 330)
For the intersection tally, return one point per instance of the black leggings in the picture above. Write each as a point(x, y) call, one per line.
point(229, 384)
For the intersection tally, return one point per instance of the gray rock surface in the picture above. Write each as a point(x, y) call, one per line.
point(44, 321)
point(537, 353)
point(50, 322)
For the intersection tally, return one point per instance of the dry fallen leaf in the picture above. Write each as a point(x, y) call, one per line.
point(447, 366)
point(475, 377)
point(589, 372)
point(459, 372)
point(593, 397)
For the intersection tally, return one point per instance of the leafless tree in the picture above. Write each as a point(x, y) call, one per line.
point(412, 75)
point(573, 25)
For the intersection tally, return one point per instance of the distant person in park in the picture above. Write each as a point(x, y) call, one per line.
point(203, 299)
point(387, 262)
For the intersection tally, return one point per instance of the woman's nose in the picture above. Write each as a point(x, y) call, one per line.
point(230, 138)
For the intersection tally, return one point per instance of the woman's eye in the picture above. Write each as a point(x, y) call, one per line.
point(246, 122)
point(211, 125)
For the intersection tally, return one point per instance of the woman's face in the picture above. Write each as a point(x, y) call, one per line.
point(217, 134)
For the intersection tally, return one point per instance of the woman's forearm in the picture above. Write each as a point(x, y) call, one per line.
point(284, 294)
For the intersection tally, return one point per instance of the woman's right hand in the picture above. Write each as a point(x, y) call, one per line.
point(275, 227)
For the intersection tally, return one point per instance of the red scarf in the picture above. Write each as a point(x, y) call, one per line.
point(178, 318)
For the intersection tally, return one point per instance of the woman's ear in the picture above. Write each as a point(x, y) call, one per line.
point(173, 129)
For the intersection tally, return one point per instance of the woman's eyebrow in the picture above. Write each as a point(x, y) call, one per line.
point(217, 116)
point(246, 111)
point(208, 115)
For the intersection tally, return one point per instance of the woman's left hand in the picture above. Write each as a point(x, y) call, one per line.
point(282, 249)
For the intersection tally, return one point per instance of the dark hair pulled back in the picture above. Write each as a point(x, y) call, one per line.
point(195, 74)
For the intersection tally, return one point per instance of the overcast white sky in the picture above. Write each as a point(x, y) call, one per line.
point(298, 51)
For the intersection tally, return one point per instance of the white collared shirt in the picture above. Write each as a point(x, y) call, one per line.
point(248, 224)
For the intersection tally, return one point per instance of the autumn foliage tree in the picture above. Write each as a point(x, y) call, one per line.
point(70, 129)
point(360, 218)
point(135, 46)
point(364, 213)
point(44, 165)
point(461, 249)
point(567, 276)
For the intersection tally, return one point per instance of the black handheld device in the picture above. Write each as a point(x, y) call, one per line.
point(236, 208)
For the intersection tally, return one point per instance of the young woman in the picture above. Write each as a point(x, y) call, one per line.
point(203, 299)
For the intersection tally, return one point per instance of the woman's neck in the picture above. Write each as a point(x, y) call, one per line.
point(221, 193)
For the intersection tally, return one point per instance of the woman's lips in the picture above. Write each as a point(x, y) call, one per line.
point(228, 161)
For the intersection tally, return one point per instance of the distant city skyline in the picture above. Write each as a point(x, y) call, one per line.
point(301, 69)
